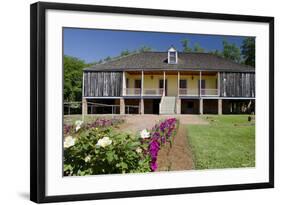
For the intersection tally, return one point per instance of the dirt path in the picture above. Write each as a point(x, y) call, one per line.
point(136, 123)
point(179, 156)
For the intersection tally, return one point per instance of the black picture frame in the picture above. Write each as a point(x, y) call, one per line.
point(38, 101)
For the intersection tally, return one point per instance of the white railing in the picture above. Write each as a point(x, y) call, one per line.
point(195, 92)
point(188, 92)
point(209, 92)
point(153, 91)
point(132, 92)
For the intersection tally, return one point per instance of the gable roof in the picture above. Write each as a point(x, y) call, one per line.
point(158, 61)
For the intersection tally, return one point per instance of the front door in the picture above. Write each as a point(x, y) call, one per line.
point(203, 86)
point(161, 85)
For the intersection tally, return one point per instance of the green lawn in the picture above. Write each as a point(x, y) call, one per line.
point(227, 142)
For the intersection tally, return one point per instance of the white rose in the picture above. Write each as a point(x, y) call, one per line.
point(88, 158)
point(139, 150)
point(68, 142)
point(144, 134)
point(104, 142)
point(78, 124)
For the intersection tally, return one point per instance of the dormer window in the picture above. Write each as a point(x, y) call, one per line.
point(172, 56)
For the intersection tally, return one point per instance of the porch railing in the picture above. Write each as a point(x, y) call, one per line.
point(195, 92)
point(159, 92)
point(132, 92)
point(209, 92)
point(188, 92)
point(153, 91)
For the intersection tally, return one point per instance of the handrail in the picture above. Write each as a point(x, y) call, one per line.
point(161, 101)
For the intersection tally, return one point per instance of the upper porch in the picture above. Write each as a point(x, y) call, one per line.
point(170, 83)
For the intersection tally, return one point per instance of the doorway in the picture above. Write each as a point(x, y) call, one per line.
point(161, 85)
point(203, 87)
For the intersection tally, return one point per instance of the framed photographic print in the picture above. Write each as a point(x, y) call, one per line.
point(129, 102)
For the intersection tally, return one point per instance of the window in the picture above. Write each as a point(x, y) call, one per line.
point(172, 55)
point(183, 84)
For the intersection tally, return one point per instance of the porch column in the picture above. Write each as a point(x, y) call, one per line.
point(141, 107)
point(178, 106)
point(84, 106)
point(201, 106)
point(83, 87)
point(122, 106)
point(178, 83)
point(218, 83)
point(220, 106)
point(142, 77)
point(124, 84)
point(200, 79)
point(164, 83)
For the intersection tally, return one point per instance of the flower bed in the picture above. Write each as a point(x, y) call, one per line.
point(96, 148)
point(161, 133)
point(97, 123)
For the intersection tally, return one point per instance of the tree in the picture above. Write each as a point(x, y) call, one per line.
point(185, 45)
point(248, 51)
point(108, 58)
point(216, 53)
point(231, 51)
point(197, 48)
point(125, 52)
point(73, 74)
point(144, 49)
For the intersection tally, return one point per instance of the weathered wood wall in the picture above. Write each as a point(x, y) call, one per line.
point(237, 84)
point(102, 84)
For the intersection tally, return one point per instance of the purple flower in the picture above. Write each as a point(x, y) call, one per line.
point(161, 132)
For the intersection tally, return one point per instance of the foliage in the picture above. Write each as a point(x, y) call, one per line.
point(97, 149)
point(123, 153)
point(185, 45)
point(144, 49)
point(248, 51)
point(198, 49)
point(231, 51)
point(216, 53)
point(228, 141)
point(70, 129)
point(125, 52)
point(73, 72)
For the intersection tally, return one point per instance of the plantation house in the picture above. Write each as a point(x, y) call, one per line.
point(169, 82)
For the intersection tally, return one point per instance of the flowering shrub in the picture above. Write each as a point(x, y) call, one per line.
point(99, 122)
point(102, 151)
point(160, 134)
point(97, 149)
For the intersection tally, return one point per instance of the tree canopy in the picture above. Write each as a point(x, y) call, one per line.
point(231, 51)
point(198, 49)
point(73, 74)
point(248, 49)
point(185, 45)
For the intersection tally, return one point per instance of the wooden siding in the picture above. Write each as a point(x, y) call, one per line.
point(237, 84)
point(102, 84)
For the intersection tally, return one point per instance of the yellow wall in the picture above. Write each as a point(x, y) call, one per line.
point(172, 82)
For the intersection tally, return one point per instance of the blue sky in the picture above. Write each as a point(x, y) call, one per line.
point(92, 44)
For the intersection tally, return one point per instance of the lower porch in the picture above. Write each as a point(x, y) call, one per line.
point(180, 106)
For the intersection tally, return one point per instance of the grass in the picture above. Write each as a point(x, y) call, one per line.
point(228, 141)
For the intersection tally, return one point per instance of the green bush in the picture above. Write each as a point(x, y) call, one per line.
point(103, 151)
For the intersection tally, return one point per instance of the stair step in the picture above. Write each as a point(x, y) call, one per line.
point(168, 105)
